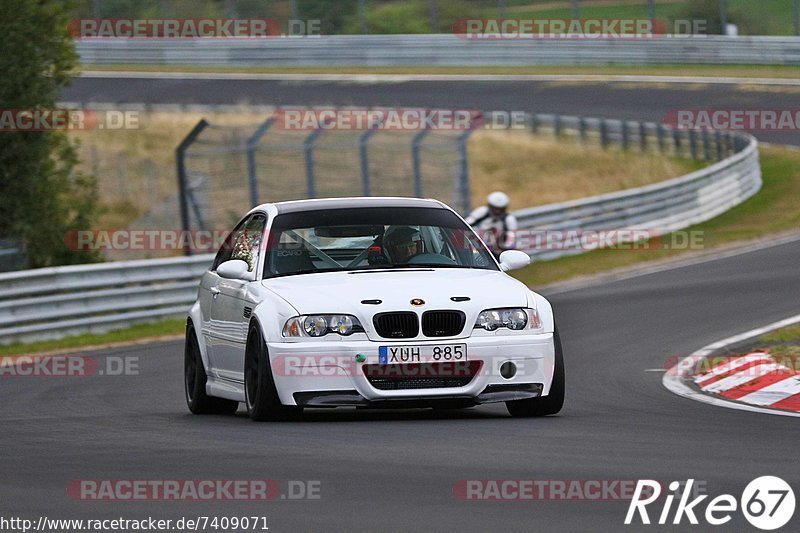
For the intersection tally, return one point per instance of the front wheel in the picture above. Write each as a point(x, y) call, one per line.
point(194, 381)
point(546, 405)
point(261, 396)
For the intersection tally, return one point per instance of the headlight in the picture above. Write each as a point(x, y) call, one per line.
point(511, 318)
point(321, 325)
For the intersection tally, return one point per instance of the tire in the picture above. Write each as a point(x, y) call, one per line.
point(261, 396)
point(194, 382)
point(546, 405)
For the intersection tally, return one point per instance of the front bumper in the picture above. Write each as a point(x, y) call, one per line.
point(326, 373)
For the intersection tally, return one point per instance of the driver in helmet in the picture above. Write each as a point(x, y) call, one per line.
point(402, 243)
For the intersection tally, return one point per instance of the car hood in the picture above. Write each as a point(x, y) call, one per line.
point(343, 292)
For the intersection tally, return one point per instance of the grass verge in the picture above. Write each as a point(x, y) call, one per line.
point(153, 330)
point(783, 345)
point(772, 210)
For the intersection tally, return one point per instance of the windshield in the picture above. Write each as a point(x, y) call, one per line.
point(372, 238)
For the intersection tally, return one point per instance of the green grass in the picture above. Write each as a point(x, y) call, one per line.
point(710, 71)
point(783, 345)
point(754, 17)
point(783, 335)
point(138, 332)
point(772, 210)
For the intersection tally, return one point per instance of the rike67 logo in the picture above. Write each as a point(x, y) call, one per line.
point(767, 503)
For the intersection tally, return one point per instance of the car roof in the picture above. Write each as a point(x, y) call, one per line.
point(295, 206)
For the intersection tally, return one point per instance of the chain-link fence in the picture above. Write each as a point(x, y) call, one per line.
point(224, 170)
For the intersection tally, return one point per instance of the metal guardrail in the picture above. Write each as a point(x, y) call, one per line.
point(48, 303)
point(654, 209)
point(439, 50)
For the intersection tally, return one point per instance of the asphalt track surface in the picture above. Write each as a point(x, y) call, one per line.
point(634, 101)
point(395, 470)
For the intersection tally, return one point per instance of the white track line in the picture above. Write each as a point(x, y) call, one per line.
point(673, 380)
point(401, 78)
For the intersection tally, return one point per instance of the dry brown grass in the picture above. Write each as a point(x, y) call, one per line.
point(542, 170)
point(534, 170)
point(136, 168)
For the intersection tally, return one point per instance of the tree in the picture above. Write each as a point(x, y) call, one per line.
point(42, 198)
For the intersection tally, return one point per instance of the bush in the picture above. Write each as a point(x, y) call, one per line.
point(41, 197)
point(749, 23)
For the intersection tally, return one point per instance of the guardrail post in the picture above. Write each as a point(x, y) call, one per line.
point(180, 162)
point(534, 124)
point(582, 126)
point(706, 145)
point(642, 136)
point(626, 141)
point(740, 142)
point(416, 161)
point(661, 133)
point(693, 143)
point(557, 126)
point(251, 158)
point(718, 142)
point(604, 140)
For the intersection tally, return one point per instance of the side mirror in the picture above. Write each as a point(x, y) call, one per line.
point(235, 269)
point(513, 259)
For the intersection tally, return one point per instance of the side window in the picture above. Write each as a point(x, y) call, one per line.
point(247, 242)
point(244, 242)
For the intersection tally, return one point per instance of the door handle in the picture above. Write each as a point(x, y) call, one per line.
point(214, 291)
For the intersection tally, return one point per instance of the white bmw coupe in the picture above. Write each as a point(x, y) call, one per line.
point(367, 302)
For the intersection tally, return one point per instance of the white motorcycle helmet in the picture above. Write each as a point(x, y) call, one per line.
point(498, 200)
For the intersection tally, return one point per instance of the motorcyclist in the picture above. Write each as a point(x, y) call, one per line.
point(494, 223)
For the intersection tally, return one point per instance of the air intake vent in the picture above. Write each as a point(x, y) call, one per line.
point(442, 323)
point(400, 325)
point(422, 375)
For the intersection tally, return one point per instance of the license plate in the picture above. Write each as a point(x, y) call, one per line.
point(430, 353)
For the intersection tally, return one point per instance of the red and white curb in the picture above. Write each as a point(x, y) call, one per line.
point(753, 382)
